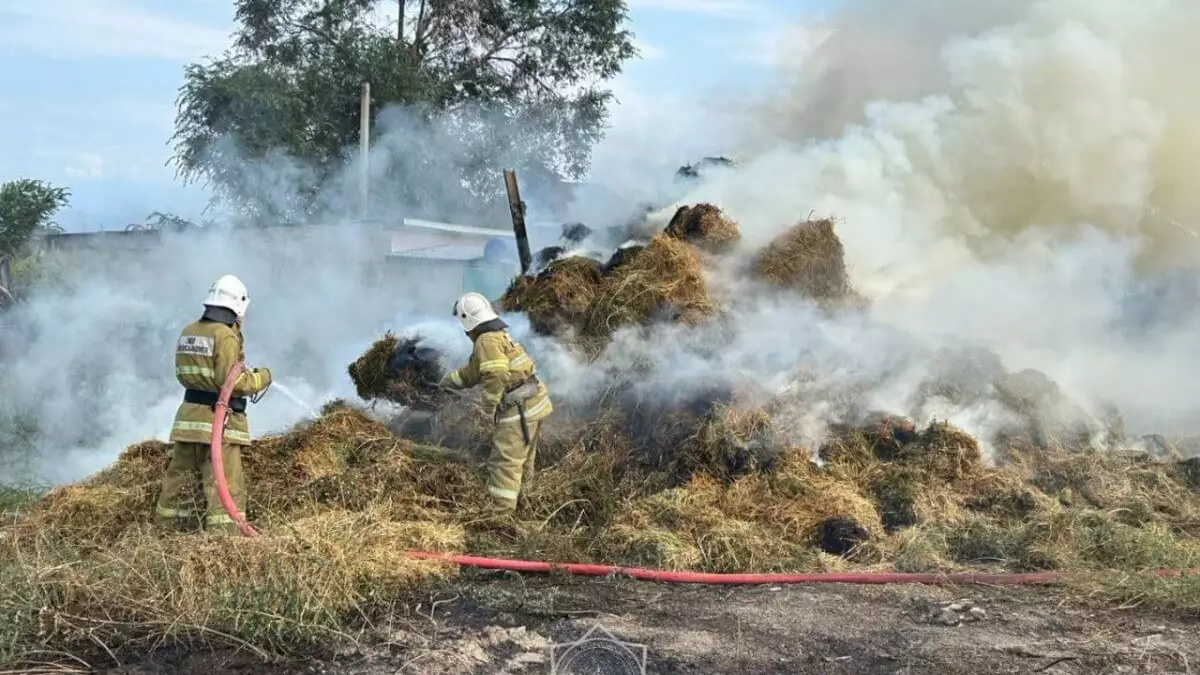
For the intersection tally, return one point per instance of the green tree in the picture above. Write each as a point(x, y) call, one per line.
point(482, 82)
point(161, 221)
point(25, 207)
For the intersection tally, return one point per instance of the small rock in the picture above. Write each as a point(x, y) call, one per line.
point(978, 612)
point(948, 618)
point(954, 607)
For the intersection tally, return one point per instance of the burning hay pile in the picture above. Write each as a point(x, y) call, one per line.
point(584, 302)
point(341, 498)
point(401, 371)
point(707, 483)
point(580, 299)
point(559, 297)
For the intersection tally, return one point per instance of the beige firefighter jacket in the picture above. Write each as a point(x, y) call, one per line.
point(501, 364)
point(203, 356)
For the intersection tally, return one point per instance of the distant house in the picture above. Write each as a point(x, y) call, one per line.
point(461, 257)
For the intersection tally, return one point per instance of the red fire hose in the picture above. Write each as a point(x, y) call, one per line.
point(587, 569)
point(732, 579)
point(220, 413)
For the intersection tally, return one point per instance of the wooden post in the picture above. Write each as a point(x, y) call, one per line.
point(517, 208)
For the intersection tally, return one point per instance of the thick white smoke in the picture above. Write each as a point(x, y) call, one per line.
point(1025, 198)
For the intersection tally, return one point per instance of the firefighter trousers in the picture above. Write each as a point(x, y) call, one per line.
point(510, 465)
point(191, 464)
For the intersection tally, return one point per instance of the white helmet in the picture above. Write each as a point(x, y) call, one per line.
point(473, 309)
point(228, 292)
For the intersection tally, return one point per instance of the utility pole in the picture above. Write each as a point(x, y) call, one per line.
point(517, 208)
point(364, 145)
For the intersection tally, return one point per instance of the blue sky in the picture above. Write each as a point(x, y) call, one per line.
point(88, 90)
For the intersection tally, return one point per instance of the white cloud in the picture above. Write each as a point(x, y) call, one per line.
point(777, 44)
point(647, 50)
point(86, 165)
point(105, 28)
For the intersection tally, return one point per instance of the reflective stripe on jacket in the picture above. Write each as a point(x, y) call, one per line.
point(205, 352)
point(500, 363)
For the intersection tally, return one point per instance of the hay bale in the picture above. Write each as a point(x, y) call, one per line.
point(558, 298)
point(401, 371)
point(94, 515)
point(896, 490)
point(666, 274)
point(1134, 486)
point(343, 458)
point(704, 226)
point(99, 510)
point(808, 259)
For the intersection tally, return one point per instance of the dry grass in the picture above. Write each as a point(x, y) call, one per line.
point(663, 280)
point(808, 259)
point(341, 498)
point(558, 298)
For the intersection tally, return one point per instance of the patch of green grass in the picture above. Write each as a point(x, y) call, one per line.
point(1177, 596)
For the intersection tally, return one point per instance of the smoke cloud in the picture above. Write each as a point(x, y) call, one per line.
point(1010, 174)
point(1007, 175)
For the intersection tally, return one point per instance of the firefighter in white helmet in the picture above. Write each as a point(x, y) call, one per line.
point(512, 395)
point(204, 354)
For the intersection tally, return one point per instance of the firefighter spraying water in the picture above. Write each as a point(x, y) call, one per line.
point(205, 443)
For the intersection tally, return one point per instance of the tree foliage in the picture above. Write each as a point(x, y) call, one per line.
point(25, 207)
point(481, 82)
point(159, 221)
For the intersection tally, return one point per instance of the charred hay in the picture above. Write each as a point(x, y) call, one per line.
point(704, 226)
point(402, 371)
point(622, 256)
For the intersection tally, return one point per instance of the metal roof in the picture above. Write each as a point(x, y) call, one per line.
point(459, 252)
point(459, 229)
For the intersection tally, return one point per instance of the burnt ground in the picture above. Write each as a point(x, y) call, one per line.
point(503, 623)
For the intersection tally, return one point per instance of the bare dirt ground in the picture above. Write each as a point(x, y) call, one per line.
point(500, 623)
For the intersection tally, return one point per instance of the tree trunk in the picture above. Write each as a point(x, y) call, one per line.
point(400, 23)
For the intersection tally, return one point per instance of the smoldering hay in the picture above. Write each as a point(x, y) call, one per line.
point(964, 387)
point(719, 478)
